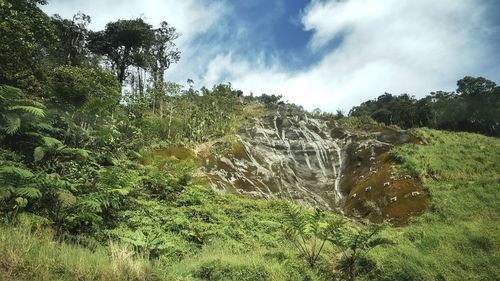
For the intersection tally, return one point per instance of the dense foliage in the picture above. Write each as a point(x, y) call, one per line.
point(474, 107)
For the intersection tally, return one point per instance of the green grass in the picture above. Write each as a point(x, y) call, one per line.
point(25, 255)
point(459, 237)
point(223, 261)
point(214, 237)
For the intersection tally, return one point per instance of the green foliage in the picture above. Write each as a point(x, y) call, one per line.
point(185, 116)
point(310, 232)
point(73, 35)
point(28, 256)
point(124, 43)
point(25, 35)
point(17, 113)
point(460, 170)
point(355, 245)
point(474, 108)
point(91, 171)
point(92, 90)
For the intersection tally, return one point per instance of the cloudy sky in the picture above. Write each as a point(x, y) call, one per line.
point(327, 54)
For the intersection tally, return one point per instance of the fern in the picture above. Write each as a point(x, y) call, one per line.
point(28, 192)
point(13, 123)
point(6, 192)
point(310, 232)
point(35, 111)
point(74, 152)
point(38, 153)
point(9, 92)
point(51, 142)
point(9, 171)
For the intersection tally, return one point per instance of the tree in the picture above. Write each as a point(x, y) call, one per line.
point(163, 51)
point(72, 34)
point(472, 86)
point(92, 91)
point(26, 36)
point(124, 43)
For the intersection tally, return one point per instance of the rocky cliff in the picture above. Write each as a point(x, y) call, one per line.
point(289, 154)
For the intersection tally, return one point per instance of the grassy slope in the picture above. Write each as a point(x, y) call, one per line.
point(25, 255)
point(458, 239)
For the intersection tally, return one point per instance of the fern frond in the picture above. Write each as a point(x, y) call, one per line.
point(32, 103)
point(51, 142)
point(38, 154)
point(28, 192)
point(47, 127)
point(6, 192)
point(9, 92)
point(19, 172)
point(35, 111)
point(13, 123)
point(75, 152)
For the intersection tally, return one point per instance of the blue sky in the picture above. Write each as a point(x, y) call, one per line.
point(317, 53)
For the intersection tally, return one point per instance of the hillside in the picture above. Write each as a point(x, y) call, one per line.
point(193, 233)
point(110, 172)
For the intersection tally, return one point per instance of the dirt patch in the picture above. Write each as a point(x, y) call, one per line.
point(374, 189)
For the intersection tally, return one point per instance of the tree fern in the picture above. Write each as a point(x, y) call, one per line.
point(51, 142)
point(310, 231)
point(12, 123)
point(28, 192)
point(20, 173)
point(37, 112)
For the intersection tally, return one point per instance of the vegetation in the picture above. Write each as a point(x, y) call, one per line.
point(86, 193)
point(474, 107)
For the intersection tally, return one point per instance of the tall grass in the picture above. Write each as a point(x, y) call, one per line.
point(35, 256)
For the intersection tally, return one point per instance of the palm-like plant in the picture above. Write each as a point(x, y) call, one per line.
point(310, 231)
point(16, 111)
point(354, 245)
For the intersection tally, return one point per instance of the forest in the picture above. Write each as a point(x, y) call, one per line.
point(85, 195)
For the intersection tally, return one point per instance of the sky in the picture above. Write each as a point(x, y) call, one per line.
point(317, 53)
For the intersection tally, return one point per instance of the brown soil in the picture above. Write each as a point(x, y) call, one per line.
point(378, 193)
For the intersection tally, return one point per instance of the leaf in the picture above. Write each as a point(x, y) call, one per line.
point(75, 152)
point(11, 170)
point(38, 153)
point(38, 112)
point(21, 202)
point(6, 193)
point(13, 123)
point(29, 192)
point(51, 142)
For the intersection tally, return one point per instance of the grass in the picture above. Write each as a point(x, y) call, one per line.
point(459, 237)
point(222, 261)
point(35, 256)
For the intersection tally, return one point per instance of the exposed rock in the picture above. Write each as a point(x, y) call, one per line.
point(289, 154)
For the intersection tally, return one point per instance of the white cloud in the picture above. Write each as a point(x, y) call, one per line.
point(388, 45)
point(191, 18)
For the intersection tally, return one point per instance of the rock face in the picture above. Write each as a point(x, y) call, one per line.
point(288, 154)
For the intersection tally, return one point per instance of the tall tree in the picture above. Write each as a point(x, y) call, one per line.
point(164, 51)
point(26, 35)
point(472, 86)
point(72, 35)
point(123, 43)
